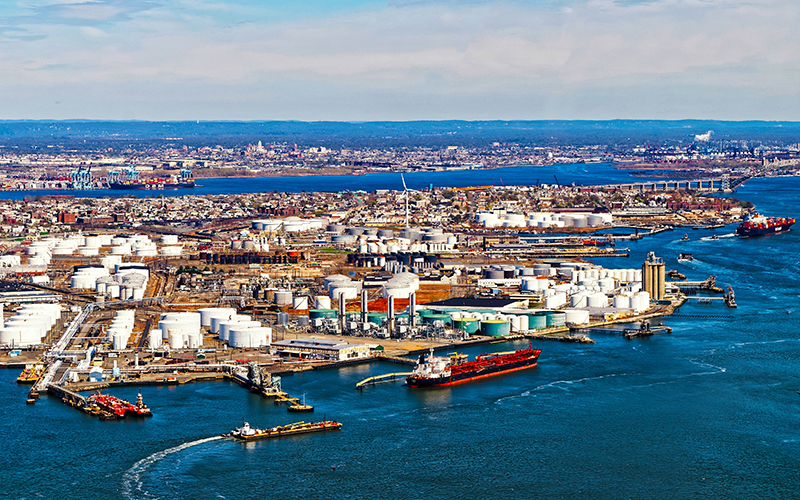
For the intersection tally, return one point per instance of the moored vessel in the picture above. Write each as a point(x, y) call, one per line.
point(110, 407)
point(438, 371)
point(31, 373)
point(759, 225)
point(247, 433)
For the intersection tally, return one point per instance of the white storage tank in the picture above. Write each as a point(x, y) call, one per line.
point(173, 251)
point(300, 303)
point(323, 302)
point(578, 300)
point(207, 313)
point(193, 340)
point(283, 297)
point(597, 300)
point(155, 339)
point(577, 316)
point(177, 339)
point(169, 239)
point(120, 341)
point(622, 302)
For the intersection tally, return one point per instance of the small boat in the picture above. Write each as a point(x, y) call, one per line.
point(301, 407)
point(247, 433)
point(685, 237)
point(675, 275)
point(685, 257)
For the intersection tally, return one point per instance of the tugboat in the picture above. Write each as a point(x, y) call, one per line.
point(758, 225)
point(437, 371)
point(247, 433)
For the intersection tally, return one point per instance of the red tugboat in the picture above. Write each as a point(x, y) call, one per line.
point(113, 407)
point(758, 225)
point(438, 371)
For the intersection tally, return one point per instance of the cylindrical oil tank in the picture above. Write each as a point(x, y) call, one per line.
point(469, 325)
point(576, 316)
point(176, 339)
point(283, 318)
point(303, 321)
point(323, 302)
point(207, 313)
point(154, 339)
point(300, 302)
point(537, 321)
point(495, 327)
point(622, 302)
point(120, 341)
point(283, 297)
point(597, 300)
point(556, 318)
point(193, 340)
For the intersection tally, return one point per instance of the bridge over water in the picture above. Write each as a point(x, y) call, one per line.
point(716, 184)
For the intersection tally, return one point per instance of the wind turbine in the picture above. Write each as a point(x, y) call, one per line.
point(405, 194)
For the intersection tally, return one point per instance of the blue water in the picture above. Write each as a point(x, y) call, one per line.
point(709, 411)
point(579, 174)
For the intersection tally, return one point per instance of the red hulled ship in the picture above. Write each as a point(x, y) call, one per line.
point(110, 406)
point(437, 371)
point(758, 225)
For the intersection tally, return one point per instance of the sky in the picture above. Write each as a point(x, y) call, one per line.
point(365, 60)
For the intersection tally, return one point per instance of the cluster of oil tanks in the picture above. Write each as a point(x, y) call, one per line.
point(394, 260)
point(291, 257)
point(30, 325)
point(185, 329)
point(120, 329)
point(371, 240)
point(289, 224)
point(501, 218)
point(129, 281)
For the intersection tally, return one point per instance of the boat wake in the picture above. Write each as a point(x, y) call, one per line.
point(564, 385)
point(132, 486)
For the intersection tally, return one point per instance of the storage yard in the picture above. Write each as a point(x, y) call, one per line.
point(260, 300)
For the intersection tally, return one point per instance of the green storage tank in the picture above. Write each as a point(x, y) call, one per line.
point(322, 313)
point(430, 318)
point(376, 317)
point(556, 318)
point(495, 328)
point(537, 321)
point(469, 325)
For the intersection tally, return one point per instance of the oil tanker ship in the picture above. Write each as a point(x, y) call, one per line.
point(438, 371)
point(758, 225)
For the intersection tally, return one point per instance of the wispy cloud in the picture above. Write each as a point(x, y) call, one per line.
point(424, 58)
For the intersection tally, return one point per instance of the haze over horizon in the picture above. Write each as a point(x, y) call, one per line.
point(365, 60)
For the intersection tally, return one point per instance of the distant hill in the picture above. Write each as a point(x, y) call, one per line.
point(395, 134)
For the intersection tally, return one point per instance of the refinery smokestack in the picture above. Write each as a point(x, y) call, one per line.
point(364, 306)
point(341, 311)
point(412, 309)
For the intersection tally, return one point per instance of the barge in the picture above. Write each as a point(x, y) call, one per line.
point(247, 433)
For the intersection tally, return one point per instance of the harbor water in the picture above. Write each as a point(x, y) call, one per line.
point(709, 411)
point(579, 174)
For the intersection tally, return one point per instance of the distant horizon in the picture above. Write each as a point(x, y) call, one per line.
point(399, 60)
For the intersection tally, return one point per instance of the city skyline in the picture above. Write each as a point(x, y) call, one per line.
point(399, 60)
